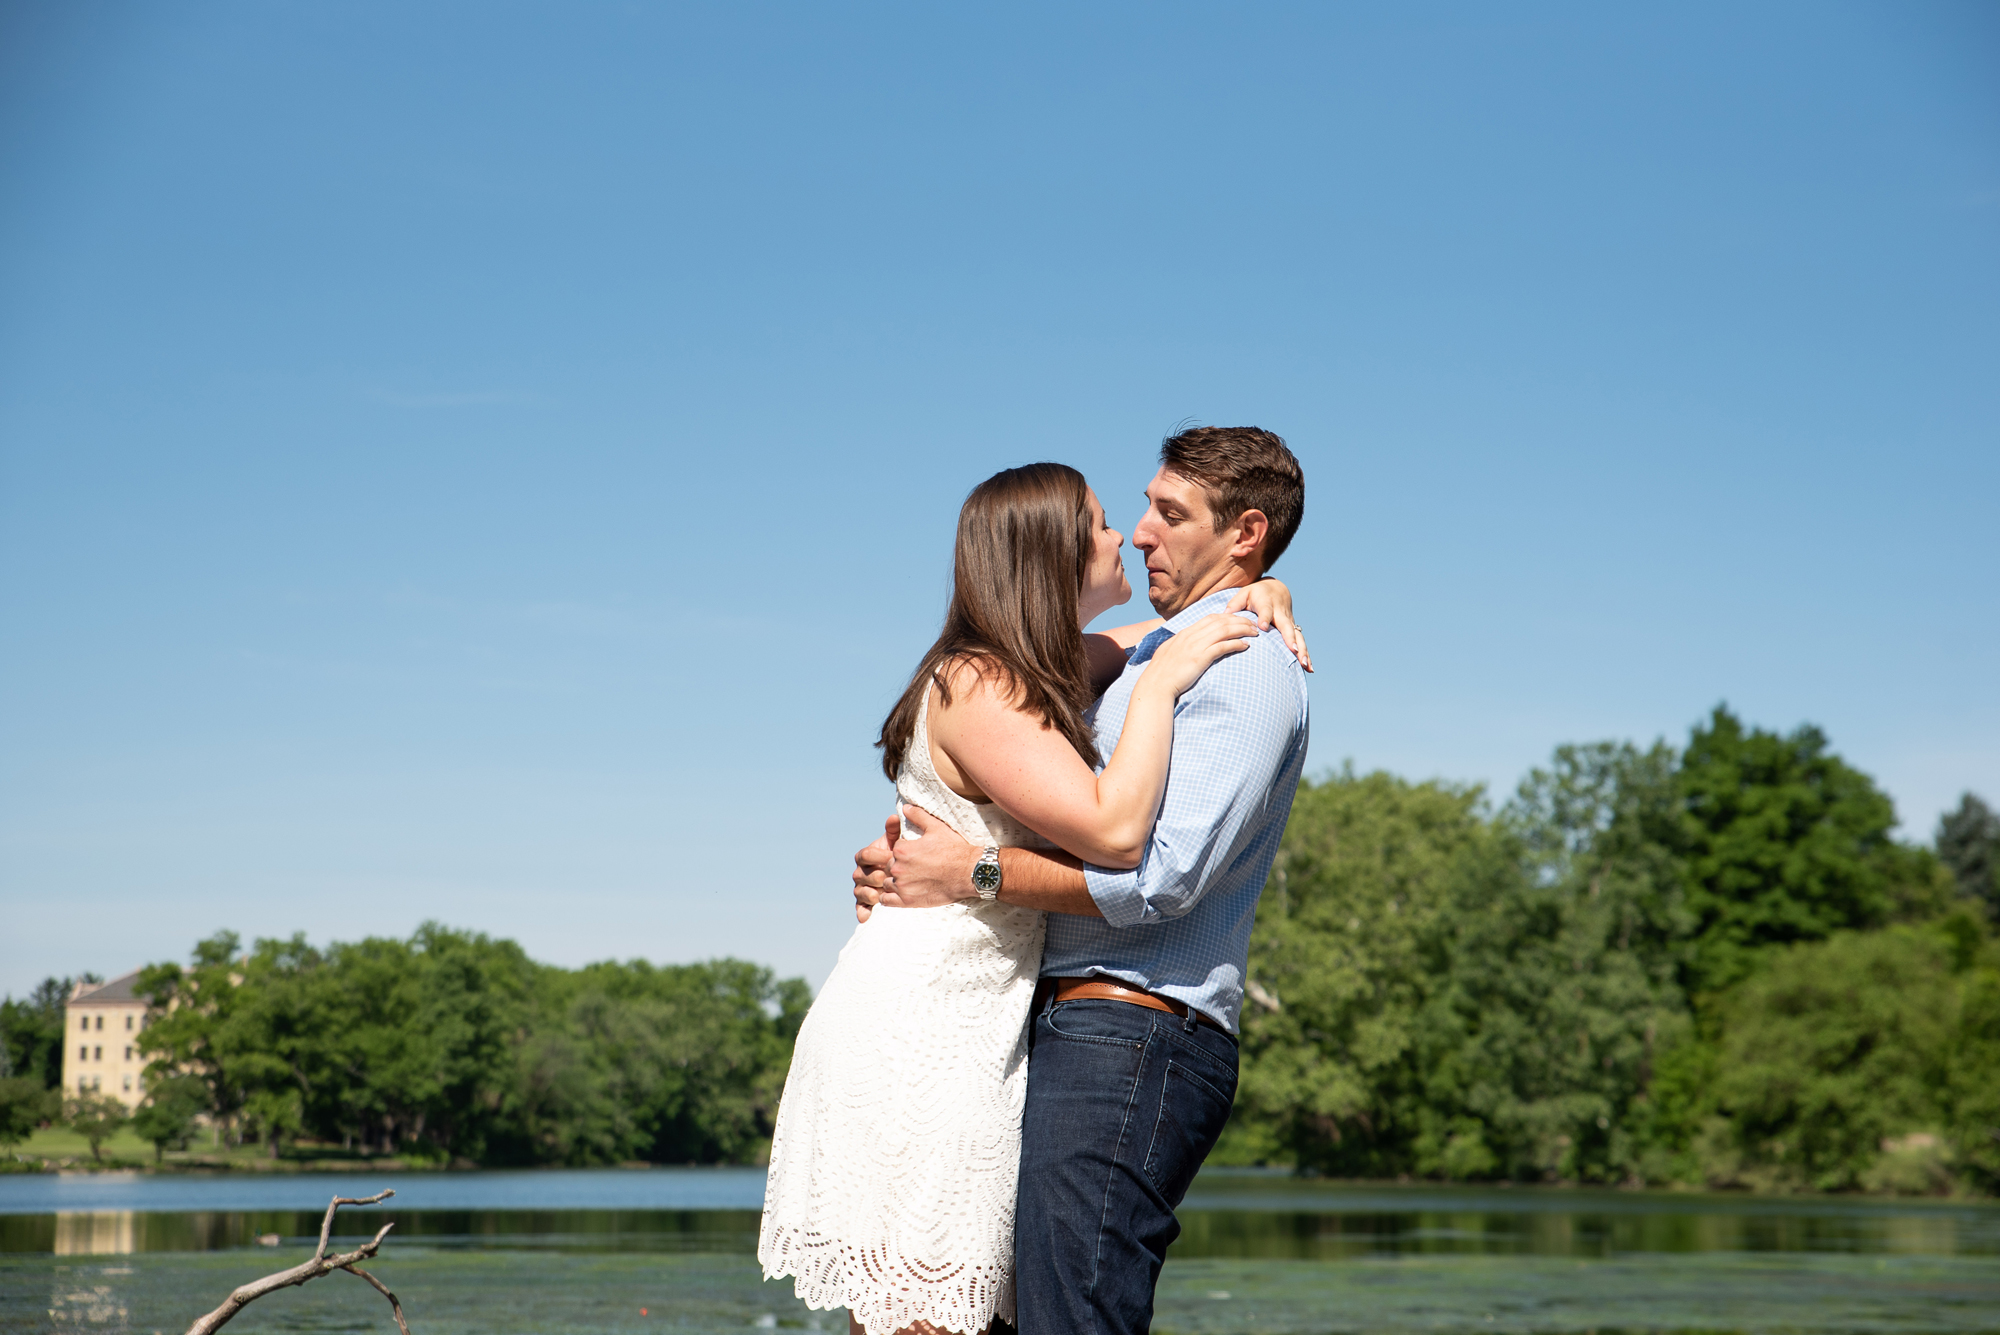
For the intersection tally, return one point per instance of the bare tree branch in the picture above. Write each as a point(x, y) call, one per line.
point(326, 1224)
point(382, 1289)
point(321, 1264)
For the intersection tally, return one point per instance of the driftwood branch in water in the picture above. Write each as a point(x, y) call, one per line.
point(321, 1264)
point(383, 1289)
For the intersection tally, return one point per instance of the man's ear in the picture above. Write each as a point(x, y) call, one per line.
point(1252, 527)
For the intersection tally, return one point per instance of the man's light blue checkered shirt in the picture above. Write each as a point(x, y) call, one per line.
point(1179, 923)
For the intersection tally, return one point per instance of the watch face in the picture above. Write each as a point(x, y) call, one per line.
point(986, 877)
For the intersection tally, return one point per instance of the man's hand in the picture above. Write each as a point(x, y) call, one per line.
point(871, 869)
point(936, 868)
point(931, 867)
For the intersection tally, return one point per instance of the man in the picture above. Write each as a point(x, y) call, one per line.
point(1132, 1057)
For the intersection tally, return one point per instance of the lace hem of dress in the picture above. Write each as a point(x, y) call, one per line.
point(884, 1293)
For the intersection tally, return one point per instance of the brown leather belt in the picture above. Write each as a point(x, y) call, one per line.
point(1103, 989)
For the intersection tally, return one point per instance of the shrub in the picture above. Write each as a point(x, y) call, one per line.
point(24, 1105)
point(95, 1117)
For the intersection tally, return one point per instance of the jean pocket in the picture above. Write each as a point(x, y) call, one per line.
point(1101, 1022)
point(1193, 1110)
point(1207, 1053)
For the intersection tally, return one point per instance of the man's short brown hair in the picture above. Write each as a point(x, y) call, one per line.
point(1242, 468)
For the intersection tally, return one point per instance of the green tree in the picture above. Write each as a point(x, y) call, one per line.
point(1784, 842)
point(31, 1031)
point(454, 1045)
point(1708, 966)
point(429, 1035)
point(1441, 993)
point(95, 1117)
point(1829, 1051)
point(282, 1043)
point(682, 1064)
point(166, 1119)
point(1341, 961)
point(1968, 843)
point(188, 1022)
point(1975, 1080)
point(403, 1045)
point(275, 1115)
point(24, 1105)
point(1557, 985)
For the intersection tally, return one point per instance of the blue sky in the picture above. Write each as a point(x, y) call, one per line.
point(497, 462)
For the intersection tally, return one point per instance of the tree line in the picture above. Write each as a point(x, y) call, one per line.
point(454, 1047)
point(1710, 965)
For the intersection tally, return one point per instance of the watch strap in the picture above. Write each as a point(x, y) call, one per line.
point(986, 874)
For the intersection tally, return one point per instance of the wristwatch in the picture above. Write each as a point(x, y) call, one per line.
point(986, 874)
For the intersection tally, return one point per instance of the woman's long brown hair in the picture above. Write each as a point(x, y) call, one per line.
point(1024, 540)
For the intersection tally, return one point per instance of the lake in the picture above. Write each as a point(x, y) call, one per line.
point(672, 1250)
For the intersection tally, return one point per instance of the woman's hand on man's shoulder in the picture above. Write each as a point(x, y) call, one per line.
point(1270, 601)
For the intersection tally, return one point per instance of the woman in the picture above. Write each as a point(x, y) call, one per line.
point(892, 1179)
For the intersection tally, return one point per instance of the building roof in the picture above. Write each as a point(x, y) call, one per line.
point(119, 991)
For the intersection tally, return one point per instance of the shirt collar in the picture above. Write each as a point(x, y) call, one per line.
point(1187, 616)
point(1195, 611)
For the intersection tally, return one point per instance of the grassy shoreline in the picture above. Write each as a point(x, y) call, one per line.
point(59, 1150)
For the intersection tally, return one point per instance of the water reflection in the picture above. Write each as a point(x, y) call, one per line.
point(1240, 1216)
point(1270, 1255)
point(95, 1233)
point(118, 1232)
point(1325, 1236)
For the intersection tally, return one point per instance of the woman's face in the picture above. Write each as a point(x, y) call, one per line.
point(1104, 582)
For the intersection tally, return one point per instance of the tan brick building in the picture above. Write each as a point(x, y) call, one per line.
point(101, 1027)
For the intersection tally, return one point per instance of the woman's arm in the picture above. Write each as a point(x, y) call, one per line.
point(1270, 600)
point(1038, 778)
point(1127, 637)
point(1107, 655)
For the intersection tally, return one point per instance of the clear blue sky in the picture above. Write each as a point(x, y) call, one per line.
point(496, 462)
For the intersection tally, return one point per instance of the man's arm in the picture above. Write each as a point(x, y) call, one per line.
point(936, 868)
point(1230, 742)
point(1047, 879)
point(1233, 733)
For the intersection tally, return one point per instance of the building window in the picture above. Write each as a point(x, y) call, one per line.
point(128, 1084)
point(83, 1021)
point(100, 1055)
point(100, 1022)
point(83, 1053)
point(128, 1023)
point(128, 1056)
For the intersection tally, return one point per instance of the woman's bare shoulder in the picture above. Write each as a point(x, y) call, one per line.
point(966, 678)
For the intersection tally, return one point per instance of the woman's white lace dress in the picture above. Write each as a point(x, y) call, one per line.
point(891, 1190)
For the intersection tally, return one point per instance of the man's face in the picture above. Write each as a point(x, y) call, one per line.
point(1184, 553)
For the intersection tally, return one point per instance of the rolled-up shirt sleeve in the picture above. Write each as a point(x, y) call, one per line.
point(1231, 740)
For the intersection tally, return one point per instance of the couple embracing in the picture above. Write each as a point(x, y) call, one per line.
point(1029, 1044)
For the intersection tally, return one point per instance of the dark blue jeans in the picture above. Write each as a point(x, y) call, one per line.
point(1123, 1105)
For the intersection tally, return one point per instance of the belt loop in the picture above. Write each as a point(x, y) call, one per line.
point(1190, 1021)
